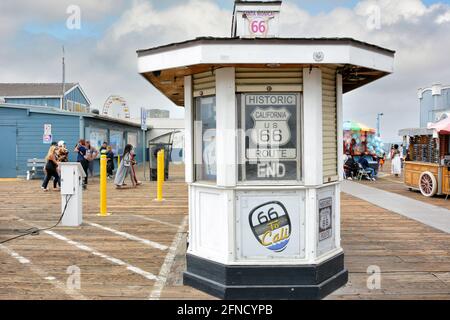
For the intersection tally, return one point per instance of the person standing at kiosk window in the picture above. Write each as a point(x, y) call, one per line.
point(80, 149)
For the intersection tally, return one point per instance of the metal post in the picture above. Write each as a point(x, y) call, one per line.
point(160, 175)
point(103, 209)
point(378, 123)
point(143, 150)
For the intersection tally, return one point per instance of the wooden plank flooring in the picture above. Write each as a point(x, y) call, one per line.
point(414, 259)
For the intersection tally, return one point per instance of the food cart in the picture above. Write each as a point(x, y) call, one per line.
point(427, 162)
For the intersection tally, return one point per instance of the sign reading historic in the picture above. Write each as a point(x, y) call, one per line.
point(325, 218)
point(271, 127)
point(271, 225)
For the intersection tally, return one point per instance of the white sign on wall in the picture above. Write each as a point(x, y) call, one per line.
point(270, 225)
point(325, 220)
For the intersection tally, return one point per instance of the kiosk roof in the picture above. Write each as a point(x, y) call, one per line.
point(165, 66)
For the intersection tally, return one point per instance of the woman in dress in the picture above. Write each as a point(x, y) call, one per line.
point(133, 170)
point(124, 168)
point(51, 169)
point(396, 164)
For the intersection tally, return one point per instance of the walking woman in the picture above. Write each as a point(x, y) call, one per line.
point(133, 170)
point(51, 170)
point(124, 168)
point(396, 165)
point(80, 149)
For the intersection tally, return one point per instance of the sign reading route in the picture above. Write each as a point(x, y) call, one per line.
point(271, 124)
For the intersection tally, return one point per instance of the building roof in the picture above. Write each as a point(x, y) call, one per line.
point(49, 110)
point(34, 89)
point(165, 66)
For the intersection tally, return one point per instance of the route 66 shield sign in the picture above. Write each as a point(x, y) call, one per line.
point(271, 225)
point(271, 126)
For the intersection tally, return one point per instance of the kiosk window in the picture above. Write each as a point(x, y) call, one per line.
point(205, 138)
point(269, 137)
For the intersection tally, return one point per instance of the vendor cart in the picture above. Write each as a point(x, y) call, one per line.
point(427, 163)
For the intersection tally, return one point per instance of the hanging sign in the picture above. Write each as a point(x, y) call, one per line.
point(47, 129)
point(47, 139)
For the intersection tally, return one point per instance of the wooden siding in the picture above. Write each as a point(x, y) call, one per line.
point(329, 125)
point(269, 79)
point(204, 83)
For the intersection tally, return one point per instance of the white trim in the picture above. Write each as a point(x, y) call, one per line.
point(188, 131)
point(32, 97)
point(340, 124)
point(266, 53)
point(82, 92)
point(226, 146)
point(312, 126)
point(421, 91)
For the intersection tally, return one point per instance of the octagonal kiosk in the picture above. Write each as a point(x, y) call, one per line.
point(263, 156)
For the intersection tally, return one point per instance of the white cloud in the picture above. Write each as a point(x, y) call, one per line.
point(108, 65)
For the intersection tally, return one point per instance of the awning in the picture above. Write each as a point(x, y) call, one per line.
point(442, 127)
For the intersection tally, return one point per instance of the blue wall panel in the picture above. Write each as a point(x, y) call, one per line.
point(30, 130)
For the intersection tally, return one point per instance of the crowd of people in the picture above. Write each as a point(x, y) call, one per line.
point(86, 153)
point(354, 165)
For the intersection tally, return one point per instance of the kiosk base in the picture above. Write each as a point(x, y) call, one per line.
point(251, 282)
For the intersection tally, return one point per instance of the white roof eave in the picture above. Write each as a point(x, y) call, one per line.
point(264, 53)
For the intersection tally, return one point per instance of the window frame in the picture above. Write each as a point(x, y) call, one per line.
point(240, 156)
point(198, 172)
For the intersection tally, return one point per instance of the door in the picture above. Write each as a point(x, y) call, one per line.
point(8, 158)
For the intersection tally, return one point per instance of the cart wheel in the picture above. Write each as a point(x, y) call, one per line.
point(427, 184)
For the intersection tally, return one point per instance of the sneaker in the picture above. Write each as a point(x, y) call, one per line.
point(44, 189)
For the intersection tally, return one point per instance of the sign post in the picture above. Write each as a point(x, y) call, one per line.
point(144, 141)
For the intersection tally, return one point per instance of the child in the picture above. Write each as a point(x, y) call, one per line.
point(110, 162)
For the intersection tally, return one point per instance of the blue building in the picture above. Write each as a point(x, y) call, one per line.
point(434, 103)
point(27, 132)
point(47, 95)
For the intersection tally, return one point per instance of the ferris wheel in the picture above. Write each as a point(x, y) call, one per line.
point(116, 107)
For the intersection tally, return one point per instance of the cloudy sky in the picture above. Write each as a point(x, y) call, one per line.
point(101, 54)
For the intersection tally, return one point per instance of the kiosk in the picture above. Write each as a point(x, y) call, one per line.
point(263, 155)
point(72, 175)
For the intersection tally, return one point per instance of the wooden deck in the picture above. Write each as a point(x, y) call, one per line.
point(137, 252)
point(394, 184)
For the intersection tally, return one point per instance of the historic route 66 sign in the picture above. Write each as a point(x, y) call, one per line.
point(271, 126)
point(325, 218)
point(271, 225)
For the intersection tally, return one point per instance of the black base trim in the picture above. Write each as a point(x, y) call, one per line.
point(266, 282)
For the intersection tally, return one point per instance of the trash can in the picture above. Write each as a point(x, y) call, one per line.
point(154, 149)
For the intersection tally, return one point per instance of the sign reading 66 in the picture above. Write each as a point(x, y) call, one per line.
point(258, 26)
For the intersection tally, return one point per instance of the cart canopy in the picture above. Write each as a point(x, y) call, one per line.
point(442, 126)
point(411, 132)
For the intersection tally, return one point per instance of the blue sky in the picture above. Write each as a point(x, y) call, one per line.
point(101, 56)
point(98, 28)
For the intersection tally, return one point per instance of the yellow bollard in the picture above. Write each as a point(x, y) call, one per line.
point(103, 209)
point(118, 160)
point(160, 175)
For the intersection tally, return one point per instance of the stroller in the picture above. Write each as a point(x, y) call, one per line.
point(351, 168)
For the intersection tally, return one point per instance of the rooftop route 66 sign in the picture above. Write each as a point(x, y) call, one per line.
point(271, 225)
point(271, 124)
